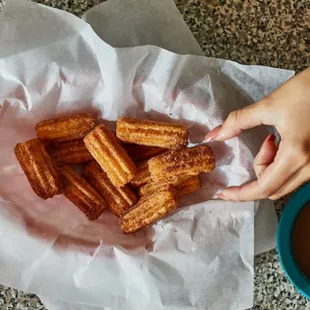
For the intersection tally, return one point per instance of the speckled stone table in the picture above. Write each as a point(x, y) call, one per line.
point(265, 32)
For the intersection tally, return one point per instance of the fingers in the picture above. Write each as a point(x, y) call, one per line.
point(265, 155)
point(212, 134)
point(298, 179)
point(263, 159)
point(271, 180)
point(244, 193)
point(248, 117)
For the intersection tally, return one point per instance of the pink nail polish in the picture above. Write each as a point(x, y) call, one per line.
point(271, 137)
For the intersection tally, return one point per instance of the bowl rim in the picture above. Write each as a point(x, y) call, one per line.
point(286, 224)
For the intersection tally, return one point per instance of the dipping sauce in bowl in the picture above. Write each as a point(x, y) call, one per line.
point(293, 240)
point(301, 240)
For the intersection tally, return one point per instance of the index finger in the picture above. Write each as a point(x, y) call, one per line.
point(249, 117)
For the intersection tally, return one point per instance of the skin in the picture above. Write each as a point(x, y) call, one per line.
point(280, 168)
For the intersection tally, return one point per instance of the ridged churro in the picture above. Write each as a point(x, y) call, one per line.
point(143, 175)
point(66, 128)
point(149, 209)
point(119, 199)
point(141, 152)
point(172, 165)
point(189, 185)
point(39, 168)
point(183, 186)
point(82, 194)
point(69, 152)
point(111, 156)
point(145, 157)
point(151, 133)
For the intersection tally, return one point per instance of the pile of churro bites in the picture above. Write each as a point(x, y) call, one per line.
point(139, 173)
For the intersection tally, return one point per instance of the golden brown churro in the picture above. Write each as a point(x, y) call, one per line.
point(170, 166)
point(183, 186)
point(118, 199)
point(141, 152)
point(151, 133)
point(82, 194)
point(111, 176)
point(66, 128)
point(69, 152)
point(149, 209)
point(143, 175)
point(38, 168)
point(189, 185)
point(108, 152)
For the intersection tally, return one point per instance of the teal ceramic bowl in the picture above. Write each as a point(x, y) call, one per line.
point(289, 215)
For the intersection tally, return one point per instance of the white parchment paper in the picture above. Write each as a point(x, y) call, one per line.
point(201, 257)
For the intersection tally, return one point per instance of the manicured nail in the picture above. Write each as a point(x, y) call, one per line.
point(210, 136)
point(271, 137)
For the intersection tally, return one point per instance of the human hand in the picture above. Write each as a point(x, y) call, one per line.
point(282, 168)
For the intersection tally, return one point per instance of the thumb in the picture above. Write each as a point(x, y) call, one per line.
point(248, 117)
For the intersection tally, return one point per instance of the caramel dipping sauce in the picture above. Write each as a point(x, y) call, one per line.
point(301, 240)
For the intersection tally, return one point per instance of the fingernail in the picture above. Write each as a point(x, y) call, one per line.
point(210, 136)
point(270, 137)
